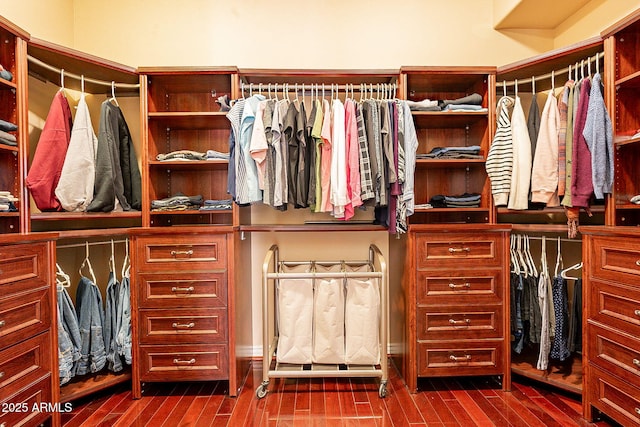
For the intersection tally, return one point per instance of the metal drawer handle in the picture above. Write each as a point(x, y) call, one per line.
point(466, 358)
point(637, 312)
point(176, 253)
point(458, 250)
point(184, 362)
point(457, 322)
point(638, 411)
point(635, 362)
point(638, 263)
point(184, 325)
point(2, 323)
point(179, 289)
point(1, 374)
point(464, 285)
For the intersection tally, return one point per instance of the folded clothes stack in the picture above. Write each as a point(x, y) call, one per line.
point(7, 138)
point(7, 202)
point(471, 152)
point(216, 205)
point(466, 200)
point(471, 102)
point(189, 155)
point(5, 74)
point(179, 202)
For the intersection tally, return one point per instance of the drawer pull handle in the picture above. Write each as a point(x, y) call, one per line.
point(465, 358)
point(637, 411)
point(187, 253)
point(635, 362)
point(458, 322)
point(184, 362)
point(1, 374)
point(638, 263)
point(459, 250)
point(2, 323)
point(189, 325)
point(637, 312)
point(179, 289)
point(463, 285)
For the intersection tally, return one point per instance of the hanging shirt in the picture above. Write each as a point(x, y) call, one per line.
point(366, 179)
point(326, 157)
point(598, 134)
point(75, 187)
point(499, 164)
point(251, 190)
point(294, 132)
point(258, 143)
point(236, 168)
point(316, 134)
point(544, 174)
point(339, 197)
point(410, 149)
point(50, 155)
point(353, 160)
point(574, 89)
point(282, 164)
point(372, 128)
point(521, 174)
point(533, 123)
point(270, 157)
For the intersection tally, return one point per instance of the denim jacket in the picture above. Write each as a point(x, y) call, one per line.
point(90, 320)
point(69, 340)
point(123, 335)
point(111, 324)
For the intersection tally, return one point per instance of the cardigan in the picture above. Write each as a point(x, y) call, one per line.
point(544, 173)
point(521, 174)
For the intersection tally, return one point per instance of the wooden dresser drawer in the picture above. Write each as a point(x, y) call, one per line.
point(23, 268)
point(615, 353)
point(474, 287)
point(196, 325)
point(615, 305)
point(182, 253)
point(458, 250)
point(25, 363)
point(459, 322)
point(184, 362)
point(460, 358)
point(19, 406)
point(616, 259)
point(170, 290)
point(23, 316)
point(619, 399)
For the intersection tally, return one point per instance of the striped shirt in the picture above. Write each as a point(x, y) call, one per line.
point(499, 162)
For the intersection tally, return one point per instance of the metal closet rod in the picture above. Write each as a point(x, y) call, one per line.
point(298, 87)
point(554, 73)
point(82, 245)
point(551, 239)
point(86, 79)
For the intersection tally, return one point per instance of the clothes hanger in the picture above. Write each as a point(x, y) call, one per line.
point(62, 279)
point(564, 272)
point(113, 94)
point(515, 268)
point(112, 259)
point(126, 263)
point(531, 262)
point(504, 88)
point(533, 85)
point(87, 263)
point(559, 263)
point(520, 253)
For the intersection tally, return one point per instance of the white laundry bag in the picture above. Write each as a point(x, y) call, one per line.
point(328, 318)
point(362, 320)
point(295, 317)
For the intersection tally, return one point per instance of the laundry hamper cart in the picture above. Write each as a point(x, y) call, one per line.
point(324, 319)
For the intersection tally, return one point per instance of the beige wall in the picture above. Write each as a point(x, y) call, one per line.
point(51, 20)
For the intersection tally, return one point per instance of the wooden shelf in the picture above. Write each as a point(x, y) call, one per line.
point(9, 214)
point(9, 148)
point(447, 119)
point(328, 227)
point(69, 216)
point(563, 375)
point(630, 81)
point(191, 120)
point(546, 211)
point(6, 84)
point(192, 212)
point(86, 385)
point(449, 210)
point(190, 164)
point(447, 163)
point(621, 141)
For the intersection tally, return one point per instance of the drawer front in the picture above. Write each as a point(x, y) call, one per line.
point(618, 399)
point(458, 250)
point(460, 286)
point(19, 407)
point(22, 268)
point(460, 358)
point(180, 253)
point(458, 323)
point(184, 363)
point(616, 258)
point(183, 326)
point(170, 290)
point(24, 363)
point(615, 305)
point(24, 315)
point(615, 353)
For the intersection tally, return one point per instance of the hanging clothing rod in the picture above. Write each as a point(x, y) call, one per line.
point(82, 245)
point(555, 73)
point(313, 87)
point(86, 79)
point(552, 239)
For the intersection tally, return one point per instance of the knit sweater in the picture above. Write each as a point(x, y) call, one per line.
point(521, 175)
point(544, 174)
point(582, 183)
point(598, 134)
point(499, 162)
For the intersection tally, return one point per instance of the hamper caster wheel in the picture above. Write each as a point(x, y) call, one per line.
point(261, 391)
point(382, 392)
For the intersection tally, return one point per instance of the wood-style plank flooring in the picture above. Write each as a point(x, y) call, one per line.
point(331, 402)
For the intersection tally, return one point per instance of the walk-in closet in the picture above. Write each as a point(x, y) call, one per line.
point(247, 214)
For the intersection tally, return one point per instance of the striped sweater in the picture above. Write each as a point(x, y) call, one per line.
point(499, 162)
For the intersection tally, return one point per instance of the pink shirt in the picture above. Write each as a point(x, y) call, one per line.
point(325, 166)
point(353, 160)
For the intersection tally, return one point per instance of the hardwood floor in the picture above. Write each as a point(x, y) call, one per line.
point(333, 402)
